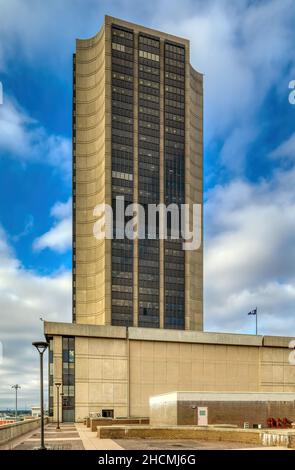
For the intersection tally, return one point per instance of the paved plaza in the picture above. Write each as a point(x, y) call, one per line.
point(79, 437)
point(67, 438)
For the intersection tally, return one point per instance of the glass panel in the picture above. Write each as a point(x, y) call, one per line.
point(71, 355)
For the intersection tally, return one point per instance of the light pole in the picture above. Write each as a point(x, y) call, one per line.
point(57, 384)
point(16, 387)
point(41, 347)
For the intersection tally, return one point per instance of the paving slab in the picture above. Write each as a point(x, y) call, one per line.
point(146, 444)
point(92, 442)
point(67, 438)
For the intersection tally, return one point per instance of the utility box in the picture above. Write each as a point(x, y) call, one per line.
point(202, 415)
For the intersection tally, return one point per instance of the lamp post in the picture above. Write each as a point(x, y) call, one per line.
point(62, 397)
point(41, 347)
point(16, 387)
point(57, 384)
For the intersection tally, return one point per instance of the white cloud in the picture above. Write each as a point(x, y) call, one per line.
point(29, 224)
point(35, 30)
point(24, 297)
point(61, 210)
point(59, 237)
point(23, 138)
point(286, 149)
point(250, 255)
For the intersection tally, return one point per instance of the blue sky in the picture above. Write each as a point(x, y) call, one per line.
point(246, 51)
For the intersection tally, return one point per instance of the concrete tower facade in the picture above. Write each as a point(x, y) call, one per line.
point(137, 133)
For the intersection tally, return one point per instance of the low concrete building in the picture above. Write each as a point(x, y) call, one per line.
point(36, 411)
point(114, 371)
point(235, 408)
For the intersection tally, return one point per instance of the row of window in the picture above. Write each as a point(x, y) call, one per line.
point(123, 133)
point(142, 124)
point(149, 55)
point(175, 49)
point(122, 176)
point(174, 89)
point(148, 69)
point(174, 131)
point(174, 104)
point(121, 274)
point(149, 305)
point(146, 110)
point(122, 119)
point(149, 83)
point(122, 48)
point(149, 90)
point(122, 166)
point(122, 69)
point(173, 56)
point(122, 302)
point(122, 77)
point(123, 98)
point(148, 291)
point(175, 63)
point(117, 32)
point(125, 62)
point(174, 79)
point(123, 126)
point(173, 117)
point(122, 108)
point(126, 95)
point(121, 90)
point(149, 97)
point(148, 41)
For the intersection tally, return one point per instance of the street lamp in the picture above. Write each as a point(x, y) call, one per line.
point(57, 384)
point(16, 387)
point(41, 347)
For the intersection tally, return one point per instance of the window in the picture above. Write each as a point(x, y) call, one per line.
point(51, 378)
point(68, 379)
point(107, 413)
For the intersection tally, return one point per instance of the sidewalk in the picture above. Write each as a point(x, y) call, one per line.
point(92, 442)
point(66, 439)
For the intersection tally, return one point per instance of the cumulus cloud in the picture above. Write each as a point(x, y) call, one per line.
point(24, 297)
point(286, 150)
point(36, 30)
point(23, 138)
point(59, 237)
point(250, 255)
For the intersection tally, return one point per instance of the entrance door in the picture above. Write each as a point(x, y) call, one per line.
point(68, 410)
point(202, 416)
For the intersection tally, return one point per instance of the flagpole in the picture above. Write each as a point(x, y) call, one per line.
point(256, 321)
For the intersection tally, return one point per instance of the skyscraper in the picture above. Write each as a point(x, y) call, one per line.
point(137, 133)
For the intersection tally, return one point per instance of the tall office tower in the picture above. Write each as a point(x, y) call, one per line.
point(137, 133)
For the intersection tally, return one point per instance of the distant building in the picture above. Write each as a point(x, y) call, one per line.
point(36, 411)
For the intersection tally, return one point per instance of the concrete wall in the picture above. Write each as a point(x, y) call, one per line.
point(94, 422)
point(9, 432)
point(236, 413)
point(120, 369)
point(223, 408)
